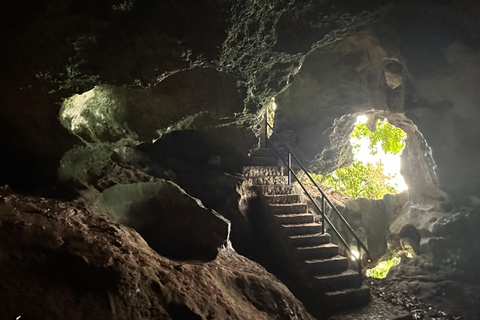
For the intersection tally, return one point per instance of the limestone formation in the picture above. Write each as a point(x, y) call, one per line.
point(61, 261)
point(173, 223)
point(111, 99)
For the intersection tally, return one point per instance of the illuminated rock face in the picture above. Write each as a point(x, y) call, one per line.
point(107, 113)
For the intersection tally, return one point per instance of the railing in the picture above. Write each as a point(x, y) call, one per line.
point(320, 209)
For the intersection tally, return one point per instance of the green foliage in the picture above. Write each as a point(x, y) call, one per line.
point(381, 270)
point(367, 180)
point(359, 180)
point(392, 139)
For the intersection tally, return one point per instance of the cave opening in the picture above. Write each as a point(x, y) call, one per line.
point(394, 146)
point(375, 169)
point(338, 150)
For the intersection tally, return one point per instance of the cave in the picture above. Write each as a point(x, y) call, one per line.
point(139, 178)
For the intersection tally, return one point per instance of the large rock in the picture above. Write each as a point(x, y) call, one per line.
point(459, 242)
point(172, 222)
point(60, 261)
point(108, 113)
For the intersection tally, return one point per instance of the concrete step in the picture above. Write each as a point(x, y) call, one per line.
point(347, 279)
point(267, 180)
point(261, 161)
point(323, 251)
point(275, 189)
point(333, 265)
point(347, 299)
point(282, 199)
point(294, 218)
point(288, 208)
point(307, 240)
point(304, 228)
point(256, 171)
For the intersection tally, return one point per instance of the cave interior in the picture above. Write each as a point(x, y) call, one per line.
point(125, 126)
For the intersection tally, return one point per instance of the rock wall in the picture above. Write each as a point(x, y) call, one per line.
point(61, 261)
point(402, 65)
point(335, 85)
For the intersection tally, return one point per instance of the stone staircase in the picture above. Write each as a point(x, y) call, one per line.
point(315, 271)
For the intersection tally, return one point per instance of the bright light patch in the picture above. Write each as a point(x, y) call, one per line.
point(274, 105)
point(391, 162)
point(361, 119)
point(354, 254)
point(381, 270)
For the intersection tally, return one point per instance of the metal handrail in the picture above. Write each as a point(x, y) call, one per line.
point(360, 244)
point(323, 217)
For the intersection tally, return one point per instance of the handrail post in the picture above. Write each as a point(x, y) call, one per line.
point(323, 214)
point(289, 167)
point(265, 129)
point(359, 249)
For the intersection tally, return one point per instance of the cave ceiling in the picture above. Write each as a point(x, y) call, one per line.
point(204, 65)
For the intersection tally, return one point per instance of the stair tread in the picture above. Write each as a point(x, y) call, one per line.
point(336, 257)
point(267, 180)
point(257, 171)
point(344, 273)
point(310, 235)
point(326, 245)
point(281, 195)
point(266, 176)
point(282, 199)
point(343, 291)
point(356, 297)
point(259, 167)
point(287, 204)
point(281, 185)
point(267, 159)
point(275, 188)
point(293, 225)
point(257, 156)
point(292, 214)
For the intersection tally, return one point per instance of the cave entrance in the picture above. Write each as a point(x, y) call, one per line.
point(382, 148)
point(375, 170)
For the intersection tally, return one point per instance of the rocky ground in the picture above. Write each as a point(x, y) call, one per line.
point(428, 292)
point(60, 261)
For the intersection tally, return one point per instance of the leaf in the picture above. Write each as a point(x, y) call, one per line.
point(359, 180)
point(392, 139)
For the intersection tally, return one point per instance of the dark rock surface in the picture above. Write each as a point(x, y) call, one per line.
point(429, 291)
point(173, 223)
point(61, 261)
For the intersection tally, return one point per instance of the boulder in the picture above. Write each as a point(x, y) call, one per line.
point(186, 99)
point(61, 261)
point(172, 222)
